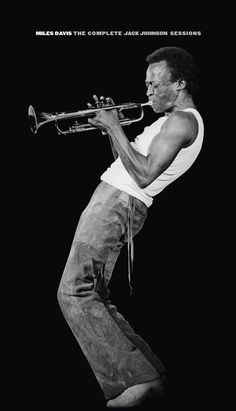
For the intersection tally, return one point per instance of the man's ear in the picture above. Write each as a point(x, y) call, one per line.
point(181, 84)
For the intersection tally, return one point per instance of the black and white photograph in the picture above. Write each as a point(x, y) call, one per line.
point(115, 190)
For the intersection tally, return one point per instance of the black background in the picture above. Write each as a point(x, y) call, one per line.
point(172, 306)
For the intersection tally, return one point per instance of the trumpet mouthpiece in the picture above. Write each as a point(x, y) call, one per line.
point(148, 103)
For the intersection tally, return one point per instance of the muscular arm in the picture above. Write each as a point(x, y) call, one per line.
point(179, 130)
point(114, 151)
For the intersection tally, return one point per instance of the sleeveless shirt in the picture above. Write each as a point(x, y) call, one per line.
point(118, 176)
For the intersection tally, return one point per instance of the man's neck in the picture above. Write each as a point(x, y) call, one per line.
point(181, 104)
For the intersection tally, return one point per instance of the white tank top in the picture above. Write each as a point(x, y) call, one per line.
point(118, 176)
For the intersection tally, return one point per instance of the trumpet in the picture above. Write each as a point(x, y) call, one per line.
point(39, 119)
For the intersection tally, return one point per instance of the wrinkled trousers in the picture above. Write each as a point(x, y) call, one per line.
point(118, 357)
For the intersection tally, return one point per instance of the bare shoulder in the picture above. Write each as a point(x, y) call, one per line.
point(184, 124)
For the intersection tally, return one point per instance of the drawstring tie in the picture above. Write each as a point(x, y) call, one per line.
point(130, 243)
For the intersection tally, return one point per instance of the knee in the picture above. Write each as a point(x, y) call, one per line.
point(65, 300)
point(60, 295)
point(64, 292)
point(80, 294)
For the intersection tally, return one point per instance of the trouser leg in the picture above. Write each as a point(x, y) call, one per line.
point(136, 339)
point(117, 361)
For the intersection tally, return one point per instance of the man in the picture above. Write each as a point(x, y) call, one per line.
point(124, 365)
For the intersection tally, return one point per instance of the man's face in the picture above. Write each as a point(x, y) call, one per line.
point(160, 89)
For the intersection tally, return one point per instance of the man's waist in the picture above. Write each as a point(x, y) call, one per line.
point(126, 187)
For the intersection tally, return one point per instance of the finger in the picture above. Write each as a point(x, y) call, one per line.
point(109, 100)
point(96, 99)
point(102, 100)
point(120, 114)
point(91, 121)
point(94, 122)
point(90, 105)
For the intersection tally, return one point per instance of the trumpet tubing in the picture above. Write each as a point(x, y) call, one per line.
point(37, 120)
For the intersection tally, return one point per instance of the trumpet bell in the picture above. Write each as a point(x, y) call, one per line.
point(32, 119)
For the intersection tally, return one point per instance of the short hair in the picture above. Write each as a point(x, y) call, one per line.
point(181, 64)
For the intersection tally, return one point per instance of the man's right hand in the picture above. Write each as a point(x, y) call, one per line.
point(104, 102)
point(101, 102)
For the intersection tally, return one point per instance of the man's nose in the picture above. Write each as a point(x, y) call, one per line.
point(149, 91)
